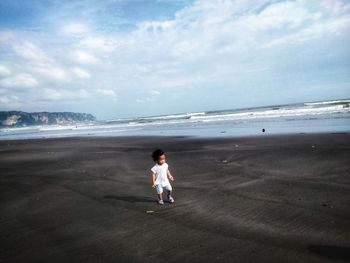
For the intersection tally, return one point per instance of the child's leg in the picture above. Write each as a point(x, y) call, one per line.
point(169, 190)
point(159, 189)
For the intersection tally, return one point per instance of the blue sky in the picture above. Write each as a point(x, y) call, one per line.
point(125, 58)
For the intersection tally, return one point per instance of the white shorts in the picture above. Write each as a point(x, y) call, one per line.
point(159, 188)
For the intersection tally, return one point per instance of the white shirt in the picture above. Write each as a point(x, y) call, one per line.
point(161, 172)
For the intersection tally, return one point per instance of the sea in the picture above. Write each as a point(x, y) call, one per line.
point(309, 117)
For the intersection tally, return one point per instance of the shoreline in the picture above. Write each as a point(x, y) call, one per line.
point(182, 136)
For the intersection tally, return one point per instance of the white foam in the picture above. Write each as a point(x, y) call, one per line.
point(327, 102)
point(274, 113)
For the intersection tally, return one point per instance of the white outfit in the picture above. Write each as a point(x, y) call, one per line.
point(161, 180)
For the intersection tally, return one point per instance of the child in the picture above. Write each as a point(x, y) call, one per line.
point(160, 174)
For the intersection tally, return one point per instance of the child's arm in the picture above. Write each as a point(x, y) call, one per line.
point(170, 176)
point(153, 179)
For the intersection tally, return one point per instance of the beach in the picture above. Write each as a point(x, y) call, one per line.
point(281, 198)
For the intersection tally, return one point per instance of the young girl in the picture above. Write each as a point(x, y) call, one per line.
point(160, 174)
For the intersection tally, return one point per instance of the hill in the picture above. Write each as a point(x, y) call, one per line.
point(20, 118)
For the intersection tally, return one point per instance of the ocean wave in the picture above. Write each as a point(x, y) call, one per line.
point(327, 102)
point(250, 116)
point(274, 113)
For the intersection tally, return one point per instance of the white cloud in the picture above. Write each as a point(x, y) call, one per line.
point(74, 29)
point(81, 73)
point(39, 62)
point(315, 31)
point(337, 7)
point(107, 92)
point(6, 36)
point(29, 51)
point(4, 71)
point(83, 94)
point(10, 100)
point(154, 92)
point(99, 43)
point(150, 96)
point(49, 94)
point(83, 57)
point(212, 34)
point(52, 72)
point(212, 27)
point(285, 15)
point(24, 80)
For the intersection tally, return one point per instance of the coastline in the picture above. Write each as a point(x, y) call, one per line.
point(221, 135)
point(267, 198)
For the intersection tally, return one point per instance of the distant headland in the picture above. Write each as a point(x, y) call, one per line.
point(20, 118)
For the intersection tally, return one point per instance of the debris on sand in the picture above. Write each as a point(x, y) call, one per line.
point(149, 211)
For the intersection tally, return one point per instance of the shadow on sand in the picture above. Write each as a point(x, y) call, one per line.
point(332, 252)
point(131, 199)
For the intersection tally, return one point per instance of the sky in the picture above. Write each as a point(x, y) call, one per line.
point(129, 58)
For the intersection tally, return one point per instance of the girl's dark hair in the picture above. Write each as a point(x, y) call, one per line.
point(156, 154)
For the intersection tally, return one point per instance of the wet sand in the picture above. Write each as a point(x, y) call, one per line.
point(253, 199)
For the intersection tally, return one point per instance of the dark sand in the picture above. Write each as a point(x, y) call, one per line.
point(267, 199)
